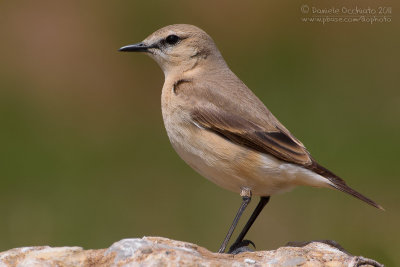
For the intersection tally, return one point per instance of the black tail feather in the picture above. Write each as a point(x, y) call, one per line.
point(345, 188)
point(340, 184)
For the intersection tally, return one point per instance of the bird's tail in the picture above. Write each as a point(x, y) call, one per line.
point(340, 184)
point(347, 189)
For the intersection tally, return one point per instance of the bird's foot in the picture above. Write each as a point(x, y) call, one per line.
point(242, 246)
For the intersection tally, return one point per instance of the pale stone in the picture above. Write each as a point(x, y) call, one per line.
point(158, 251)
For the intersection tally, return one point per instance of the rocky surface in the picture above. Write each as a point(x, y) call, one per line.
point(158, 251)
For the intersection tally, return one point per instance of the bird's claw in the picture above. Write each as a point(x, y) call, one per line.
point(242, 246)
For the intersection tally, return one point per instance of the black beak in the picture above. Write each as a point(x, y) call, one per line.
point(139, 47)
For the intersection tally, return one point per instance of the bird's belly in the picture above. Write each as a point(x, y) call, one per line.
point(228, 165)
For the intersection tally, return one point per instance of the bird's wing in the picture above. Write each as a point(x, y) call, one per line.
point(249, 134)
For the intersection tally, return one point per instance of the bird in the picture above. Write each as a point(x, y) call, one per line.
point(221, 129)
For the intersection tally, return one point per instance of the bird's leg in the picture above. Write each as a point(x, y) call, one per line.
point(245, 193)
point(239, 243)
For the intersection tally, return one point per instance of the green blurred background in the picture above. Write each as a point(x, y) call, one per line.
point(85, 160)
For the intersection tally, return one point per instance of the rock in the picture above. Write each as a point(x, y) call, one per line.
point(158, 251)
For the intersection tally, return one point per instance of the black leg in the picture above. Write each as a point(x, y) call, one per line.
point(256, 212)
point(245, 202)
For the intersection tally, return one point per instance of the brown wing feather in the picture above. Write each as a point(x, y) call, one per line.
point(251, 135)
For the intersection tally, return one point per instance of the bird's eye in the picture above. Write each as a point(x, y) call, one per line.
point(172, 39)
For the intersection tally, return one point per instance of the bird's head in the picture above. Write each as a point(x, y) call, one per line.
point(178, 47)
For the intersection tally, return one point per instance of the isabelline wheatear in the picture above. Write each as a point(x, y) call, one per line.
point(222, 130)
